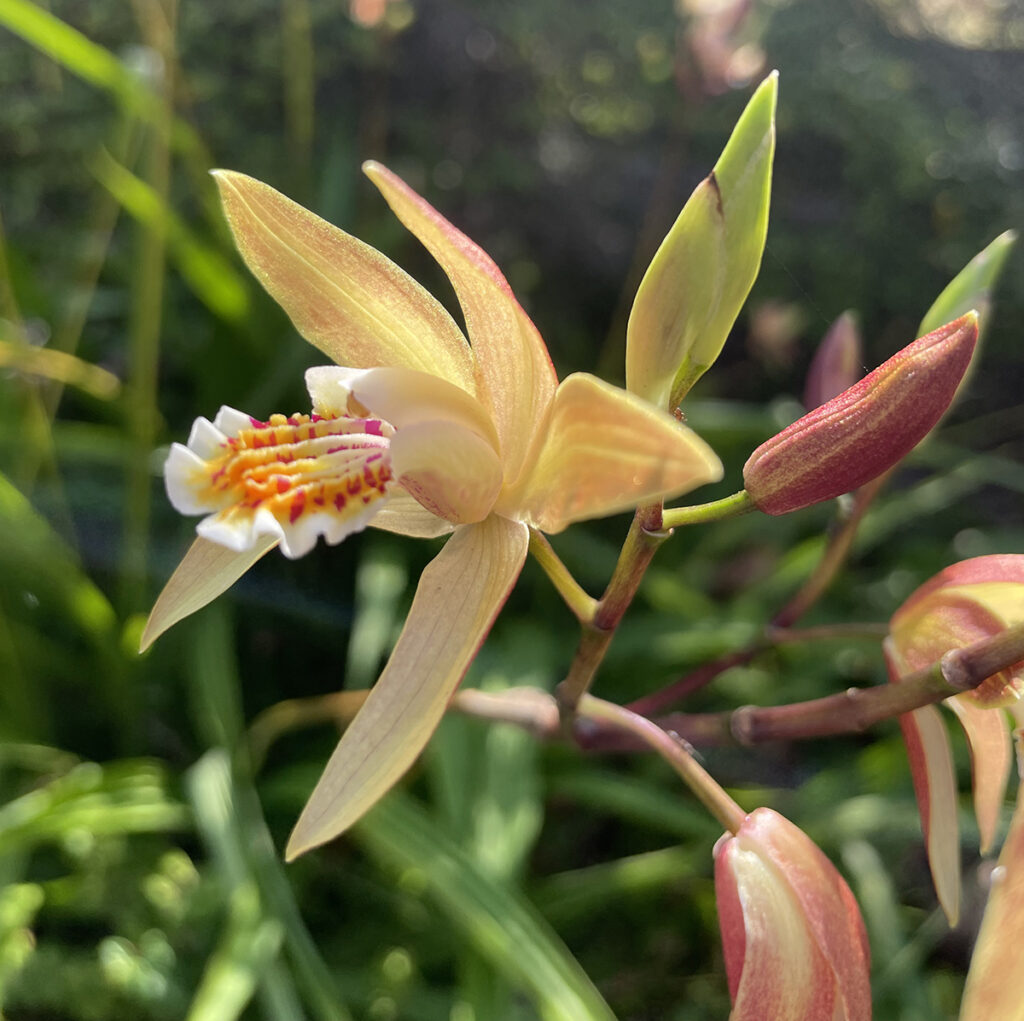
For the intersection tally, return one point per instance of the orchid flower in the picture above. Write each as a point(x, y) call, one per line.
point(794, 942)
point(965, 603)
point(415, 430)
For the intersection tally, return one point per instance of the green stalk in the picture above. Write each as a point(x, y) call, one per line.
point(298, 60)
point(718, 510)
point(646, 535)
point(146, 315)
point(582, 605)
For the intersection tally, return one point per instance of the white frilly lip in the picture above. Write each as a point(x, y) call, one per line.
point(185, 464)
point(295, 540)
point(187, 479)
point(182, 468)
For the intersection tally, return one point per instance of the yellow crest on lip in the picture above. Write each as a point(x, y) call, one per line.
point(293, 477)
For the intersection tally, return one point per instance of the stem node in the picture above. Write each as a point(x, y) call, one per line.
point(743, 725)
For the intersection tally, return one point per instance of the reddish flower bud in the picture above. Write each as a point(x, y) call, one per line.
point(836, 365)
point(794, 942)
point(867, 429)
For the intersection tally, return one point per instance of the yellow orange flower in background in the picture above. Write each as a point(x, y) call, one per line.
point(962, 604)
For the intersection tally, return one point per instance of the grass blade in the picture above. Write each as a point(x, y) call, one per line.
point(502, 926)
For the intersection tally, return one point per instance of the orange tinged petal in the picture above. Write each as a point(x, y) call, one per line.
point(992, 990)
point(931, 766)
point(457, 599)
point(606, 450)
point(988, 738)
point(206, 570)
point(964, 603)
point(343, 296)
point(404, 515)
point(782, 978)
point(402, 397)
point(514, 372)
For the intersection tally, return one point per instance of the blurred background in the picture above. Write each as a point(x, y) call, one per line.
point(145, 800)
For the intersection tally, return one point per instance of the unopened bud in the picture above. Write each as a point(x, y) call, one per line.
point(792, 935)
point(836, 365)
point(867, 429)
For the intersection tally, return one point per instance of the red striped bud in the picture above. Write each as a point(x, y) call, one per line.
point(794, 941)
point(867, 429)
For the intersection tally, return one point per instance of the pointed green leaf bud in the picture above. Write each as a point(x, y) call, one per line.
point(699, 278)
point(865, 430)
point(972, 287)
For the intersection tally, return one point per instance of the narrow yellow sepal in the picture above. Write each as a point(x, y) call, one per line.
point(458, 596)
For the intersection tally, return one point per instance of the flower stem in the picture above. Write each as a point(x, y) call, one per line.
point(718, 510)
point(856, 709)
point(670, 748)
point(648, 705)
point(696, 679)
point(582, 605)
point(531, 709)
point(866, 631)
point(645, 536)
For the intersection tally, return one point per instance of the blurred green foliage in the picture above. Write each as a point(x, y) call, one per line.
point(138, 836)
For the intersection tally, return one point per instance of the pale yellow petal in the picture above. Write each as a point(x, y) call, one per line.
point(404, 515)
point(402, 397)
point(514, 372)
point(931, 766)
point(206, 570)
point(606, 450)
point(343, 296)
point(458, 597)
point(992, 992)
point(451, 471)
point(988, 738)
